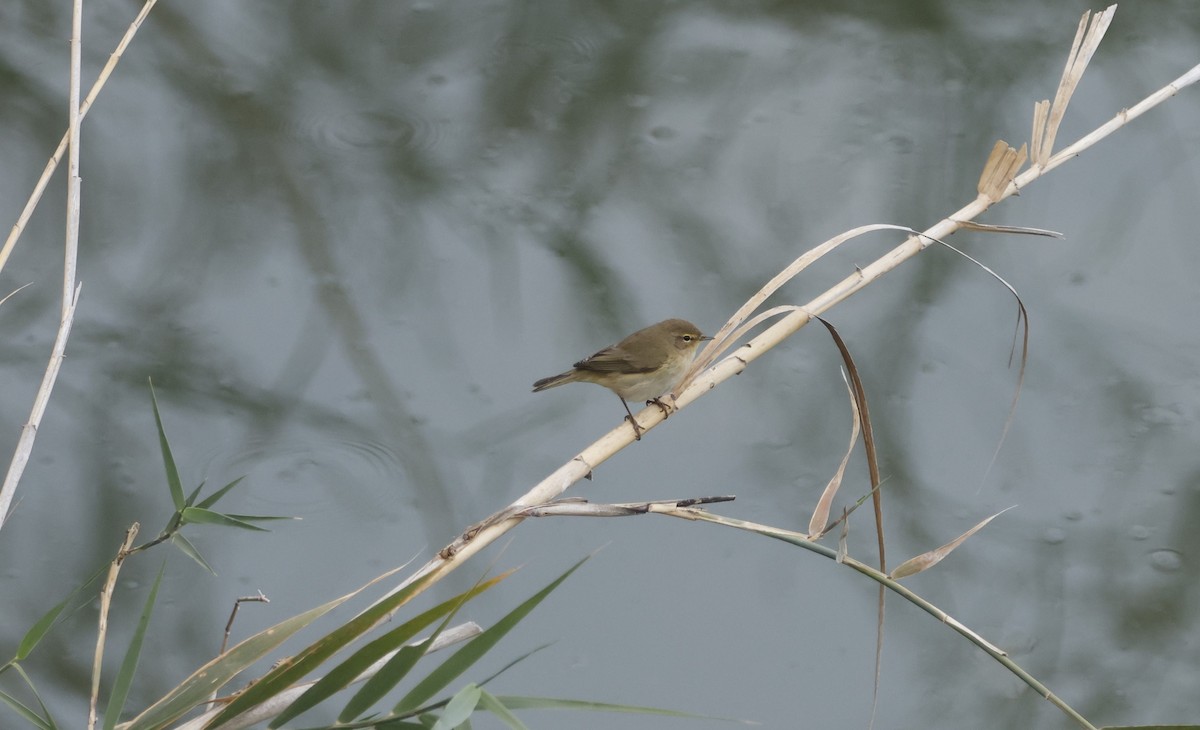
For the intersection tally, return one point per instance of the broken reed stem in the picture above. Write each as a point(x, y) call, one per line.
point(1120, 120)
point(1047, 120)
point(114, 569)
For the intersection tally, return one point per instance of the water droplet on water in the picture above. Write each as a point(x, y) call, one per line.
point(1167, 561)
point(1139, 532)
point(1054, 535)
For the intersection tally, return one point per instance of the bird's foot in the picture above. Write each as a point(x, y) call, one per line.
point(637, 430)
point(666, 409)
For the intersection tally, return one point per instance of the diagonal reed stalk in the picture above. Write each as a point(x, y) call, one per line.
point(999, 180)
point(71, 289)
point(890, 583)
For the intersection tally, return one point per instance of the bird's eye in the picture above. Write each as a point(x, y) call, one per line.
point(687, 338)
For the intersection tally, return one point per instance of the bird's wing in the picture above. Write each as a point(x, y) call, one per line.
point(611, 360)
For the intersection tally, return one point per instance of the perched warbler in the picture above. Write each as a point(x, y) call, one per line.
point(644, 366)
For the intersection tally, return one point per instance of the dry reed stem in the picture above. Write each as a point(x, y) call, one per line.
point(1120, 120)
point(52, 164)
point(490, 529)
point(1087, 38)
point(71, 290)
point(732, 330)
point(71, 254)
point(42, 399)
point(106, 592)
point(487, 531)
point(578, 507)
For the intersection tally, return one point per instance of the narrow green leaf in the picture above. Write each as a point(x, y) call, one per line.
point(449, 670)
point(217, 673)
point(190, 550)
point(398, 667)
point(260, 518)
point(509, 703)
point(199, 516)
point(492, 704)
point(211, 499)
point(1151, 727)
point(192, 497)
point(549, 703)
point(350, 669)
point(120, 691)
point(285, 674)
point(30, 716)
point(36, 695)
point(514, 663)
point(173, 482)
point(388, 676)
point(39, 630)
point(459, 709)
point(391, 719)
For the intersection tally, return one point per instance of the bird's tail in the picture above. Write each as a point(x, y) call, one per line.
point(554, 380)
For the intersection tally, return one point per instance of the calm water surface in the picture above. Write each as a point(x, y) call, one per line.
point(344, 238)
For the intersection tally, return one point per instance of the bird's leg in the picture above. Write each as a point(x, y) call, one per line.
point(666, 409)
point(637, 430)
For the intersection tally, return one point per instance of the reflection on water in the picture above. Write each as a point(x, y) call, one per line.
point(343, 240)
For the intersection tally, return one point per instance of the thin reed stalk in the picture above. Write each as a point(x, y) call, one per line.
point(71, 290)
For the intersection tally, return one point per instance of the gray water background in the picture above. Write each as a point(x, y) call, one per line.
point(344, 238)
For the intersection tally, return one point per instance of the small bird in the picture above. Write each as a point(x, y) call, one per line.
point(643, 366)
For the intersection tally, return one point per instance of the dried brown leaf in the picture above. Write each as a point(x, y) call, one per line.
point(1002, 166)
point(925, 561)
point(820, 515)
